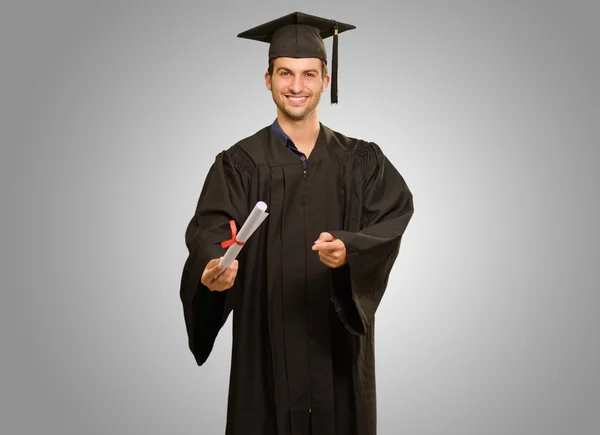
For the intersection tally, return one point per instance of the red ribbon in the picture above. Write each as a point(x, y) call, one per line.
point(228, 243)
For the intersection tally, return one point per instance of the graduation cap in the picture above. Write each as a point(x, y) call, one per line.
point(300, 35)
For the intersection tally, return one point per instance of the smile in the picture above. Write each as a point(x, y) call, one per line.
point(297, 100)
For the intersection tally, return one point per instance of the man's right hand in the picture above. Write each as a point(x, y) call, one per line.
point(222, 282)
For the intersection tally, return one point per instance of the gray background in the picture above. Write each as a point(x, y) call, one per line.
point(112, 112)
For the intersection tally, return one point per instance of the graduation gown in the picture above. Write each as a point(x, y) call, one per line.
point(303, 333)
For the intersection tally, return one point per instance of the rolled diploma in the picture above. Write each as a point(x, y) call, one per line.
point(257, 216)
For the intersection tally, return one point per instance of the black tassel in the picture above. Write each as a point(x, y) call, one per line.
point(334, 67)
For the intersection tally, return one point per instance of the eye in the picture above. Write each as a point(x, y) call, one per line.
point(310, 74)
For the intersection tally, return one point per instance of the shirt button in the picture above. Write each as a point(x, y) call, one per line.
point(302, 158)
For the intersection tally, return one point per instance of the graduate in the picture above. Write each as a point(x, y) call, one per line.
point(304, 290)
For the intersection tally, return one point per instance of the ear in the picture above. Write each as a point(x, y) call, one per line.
point(268, 80)
point(325, 83)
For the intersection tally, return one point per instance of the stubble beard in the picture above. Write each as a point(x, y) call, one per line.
point(295, 116)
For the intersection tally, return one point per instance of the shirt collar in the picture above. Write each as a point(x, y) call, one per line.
point(280, 134)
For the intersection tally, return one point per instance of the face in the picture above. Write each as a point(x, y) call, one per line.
point(296, 86)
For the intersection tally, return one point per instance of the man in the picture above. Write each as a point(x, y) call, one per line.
point(306, 285)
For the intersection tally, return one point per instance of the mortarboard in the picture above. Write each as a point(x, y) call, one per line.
point(300, 35)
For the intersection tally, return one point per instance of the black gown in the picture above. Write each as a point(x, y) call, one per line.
point(303, 333)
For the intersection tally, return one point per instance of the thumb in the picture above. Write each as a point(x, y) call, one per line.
point(325, 237)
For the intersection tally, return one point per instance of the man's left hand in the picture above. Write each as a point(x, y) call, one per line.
point(332, 251)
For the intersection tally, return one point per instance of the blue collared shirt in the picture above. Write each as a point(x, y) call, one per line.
point(285, 139)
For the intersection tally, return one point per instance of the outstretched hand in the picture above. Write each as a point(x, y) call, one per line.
point(224, 281)
point(332, 251)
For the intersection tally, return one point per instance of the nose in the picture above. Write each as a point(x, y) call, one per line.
point(296, 86)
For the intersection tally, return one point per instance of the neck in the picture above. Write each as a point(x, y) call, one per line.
point(301, 132)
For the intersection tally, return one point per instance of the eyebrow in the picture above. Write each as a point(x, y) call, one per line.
point(289, 70)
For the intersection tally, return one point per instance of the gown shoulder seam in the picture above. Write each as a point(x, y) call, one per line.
point(241, 160)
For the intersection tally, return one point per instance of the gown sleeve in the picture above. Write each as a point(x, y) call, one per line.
point(221, 200)
point(387, 207)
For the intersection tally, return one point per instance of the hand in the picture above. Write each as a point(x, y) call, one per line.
point(332, 251)
point(222, 282)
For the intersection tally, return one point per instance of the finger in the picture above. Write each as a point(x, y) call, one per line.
point(325, 237)
point(321, 238)
point(233, 266)
point(223, 282)
point(213, 262)
point(226, 283)
point(335, 262)
point(229, 274)
point(327, 262)
point(224, 286)
point(231, 270)
point(322, 246)
point(328, 247)
point(327, 257)
point(209, 279)
point(213, 267)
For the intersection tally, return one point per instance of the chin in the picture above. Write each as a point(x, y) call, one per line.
point(295, 113)
point(297, 116)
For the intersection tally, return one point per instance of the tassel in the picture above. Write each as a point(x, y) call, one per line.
point(334, 67)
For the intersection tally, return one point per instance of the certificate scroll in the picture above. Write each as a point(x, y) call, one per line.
point(256, 217)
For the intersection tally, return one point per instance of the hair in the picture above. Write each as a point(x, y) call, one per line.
point(323, 68)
